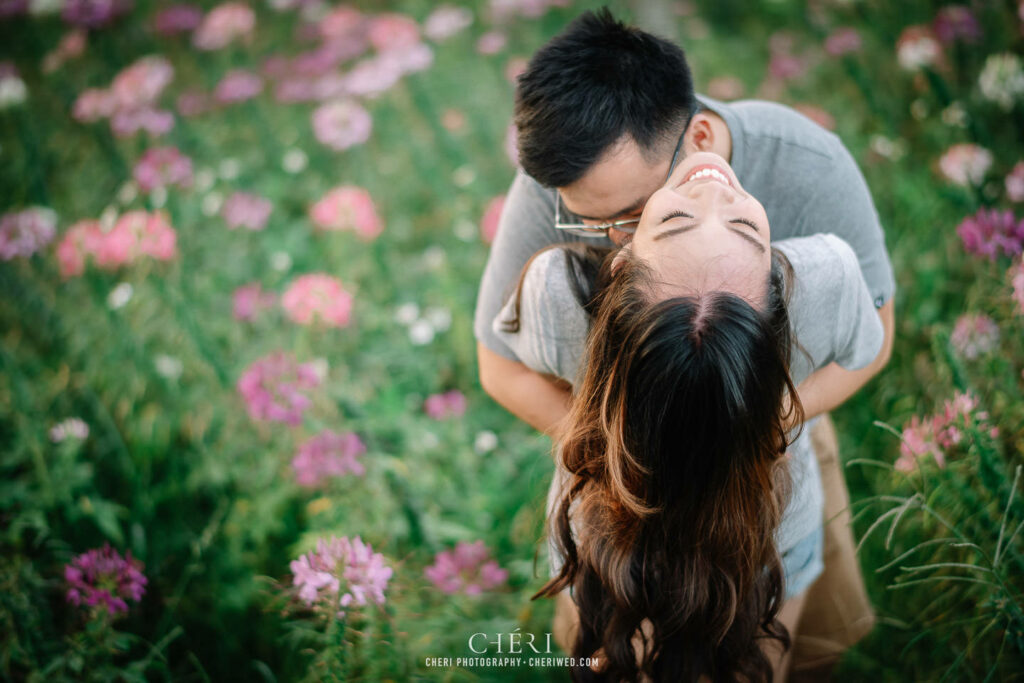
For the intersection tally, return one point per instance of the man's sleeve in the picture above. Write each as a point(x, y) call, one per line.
point(526, 226)
point(843, 206)
point(859, 334)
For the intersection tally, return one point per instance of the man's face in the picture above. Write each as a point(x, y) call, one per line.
point(616, 187)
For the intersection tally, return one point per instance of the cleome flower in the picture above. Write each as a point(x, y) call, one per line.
point(102, 577)
point(341, 573)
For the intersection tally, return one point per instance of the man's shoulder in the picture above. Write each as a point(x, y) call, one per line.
point(762, 121)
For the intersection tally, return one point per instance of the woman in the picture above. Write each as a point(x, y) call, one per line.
point(671, 519)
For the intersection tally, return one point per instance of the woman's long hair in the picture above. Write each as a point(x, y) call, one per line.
point(676, 483)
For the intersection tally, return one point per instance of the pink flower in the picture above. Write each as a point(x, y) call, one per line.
point(341, 573)
point(127, 122)
point(341, 124)
point(989, 231)
point(453, 120)
point(347, 207)
point(956, 22)
point(491, 43)
point(93, 104)
point(70, 46)
point(177, 19)
point(249, 300)
point(974, 335)
point(247, 211)
point(193, 103)
point(93, 13)
point(79, 241)
point(446, 21)
point(326, 455)
point(786, 66)
point(343, 23)
point(918, 47)
point(371, 77)
point(1016, 276)
point(135, 234)
point(466, 569)
point(162, 167)
point(140, 84)
point(918, 441)
point(965, 164)
point(1015, 183)
point(937, 434)
point(492, 216)
point(275, 388)
point(842, 41)
point(725, 88)
point(817, 114)
point(238, 85)
point(103, 577)
point(223, 25)
point(317, 296)
point(449, 404)
point(415, 57)
point(392, 31)
point(514, 68)
point(23, 233)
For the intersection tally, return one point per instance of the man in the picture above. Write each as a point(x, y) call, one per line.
point(603, 112)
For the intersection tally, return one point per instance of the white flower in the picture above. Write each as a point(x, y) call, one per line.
point(955, 115)
point(466, 230)
point(72, 427)
point(463, 176)
point(204, 179)
point(212, 203)
point(41, 7)
point(407, 313)
point(119, 296)
point(128, 192)
point(440, 318)
point(158, 197)
point(485, 442)
point(1002, 79)
point(280, 261)
point(229, 169)
point(320, 368)
point(294, 161)
point(421, 332)
point(430, 441)
point(108, 218)
point(433, 257)
point(13, 92)
point(168, 367)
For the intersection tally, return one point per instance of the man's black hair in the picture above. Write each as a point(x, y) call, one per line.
point(588, 86)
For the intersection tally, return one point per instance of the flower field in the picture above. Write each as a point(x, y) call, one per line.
point(241, 431)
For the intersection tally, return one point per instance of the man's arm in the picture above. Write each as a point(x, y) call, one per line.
point(830, 386)
point(539, 400)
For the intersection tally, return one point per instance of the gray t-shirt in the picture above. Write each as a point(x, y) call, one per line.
point(830, 311)
point(804, 176)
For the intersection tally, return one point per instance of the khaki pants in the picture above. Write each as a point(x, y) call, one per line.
point(837, 612)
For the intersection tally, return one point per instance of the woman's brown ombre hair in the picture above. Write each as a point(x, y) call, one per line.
point(676, 482)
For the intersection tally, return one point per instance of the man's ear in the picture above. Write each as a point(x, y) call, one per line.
point(620, 257)
point(700, 137)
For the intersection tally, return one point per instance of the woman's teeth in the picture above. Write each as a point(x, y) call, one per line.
point(709, 173)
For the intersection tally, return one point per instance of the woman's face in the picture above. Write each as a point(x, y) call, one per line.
point(703, 232)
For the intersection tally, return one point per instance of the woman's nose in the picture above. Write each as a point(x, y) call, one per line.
point(710, 190)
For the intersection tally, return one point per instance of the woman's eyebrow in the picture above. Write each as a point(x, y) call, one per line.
point(745, 234)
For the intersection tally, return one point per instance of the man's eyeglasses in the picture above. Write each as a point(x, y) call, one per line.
point(627, 225)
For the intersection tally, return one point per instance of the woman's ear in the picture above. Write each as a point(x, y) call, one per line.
point(620, 257)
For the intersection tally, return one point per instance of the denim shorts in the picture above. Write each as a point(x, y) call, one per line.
point(804, 562)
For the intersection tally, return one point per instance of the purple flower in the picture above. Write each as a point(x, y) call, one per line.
point(238, 85)
point(1016, 277)
point(956, 22)
point(466, 569)
point(449, 404)
point(842, 41)
point(162, 167)
point(341, 573)
point(104, 577)
point(974, 335)
point(244, 210)
point(341, 124)
point(23, 233)
point(326, 455)
point(127, 122)
point(94, 13)
point(785, 66)
point(1015, 183)
point(12, 8)
point(275, 388)
point(177, 19)
point(991, 230)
